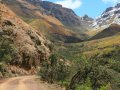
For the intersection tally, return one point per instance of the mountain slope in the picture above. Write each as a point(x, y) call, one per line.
point(112, 30)
point(23, 46)
point(67, 22)
point(66, 16)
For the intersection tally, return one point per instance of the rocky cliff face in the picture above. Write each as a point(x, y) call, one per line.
point(87, 21)
point(31, 47)
point(33, 8)
point(87, 18)
point(65, 15)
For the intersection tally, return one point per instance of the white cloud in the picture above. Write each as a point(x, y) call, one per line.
point(72, 4)
point(111, 1)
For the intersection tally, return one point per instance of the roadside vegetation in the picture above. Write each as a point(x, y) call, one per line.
point(7, 54)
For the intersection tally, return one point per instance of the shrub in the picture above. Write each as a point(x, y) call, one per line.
point(86, 86)
point(7, 50)
point(54, 70)
point(106, 87)
point(97, 74)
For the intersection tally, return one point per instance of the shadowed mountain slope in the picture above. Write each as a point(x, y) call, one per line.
point(110, 31)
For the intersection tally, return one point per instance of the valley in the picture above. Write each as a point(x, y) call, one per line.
point(45, 46)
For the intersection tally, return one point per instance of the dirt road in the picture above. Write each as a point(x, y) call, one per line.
point(27, 83)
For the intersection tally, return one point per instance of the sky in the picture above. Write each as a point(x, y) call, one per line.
point(92, 8)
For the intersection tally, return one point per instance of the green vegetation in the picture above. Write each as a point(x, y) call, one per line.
point(104, 54)
point(54, 70)
point(86, 86)
point(7, 52)
point(90, 74)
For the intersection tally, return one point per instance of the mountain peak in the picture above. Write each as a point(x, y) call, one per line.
point(109, 16)
point(109, 9)
point(86, 17)
point(65, 15)
point(35, 0)
point(117, 6)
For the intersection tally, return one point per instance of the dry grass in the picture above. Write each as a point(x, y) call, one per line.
point(46, 27)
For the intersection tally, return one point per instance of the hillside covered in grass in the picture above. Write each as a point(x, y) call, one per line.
point(101, 52)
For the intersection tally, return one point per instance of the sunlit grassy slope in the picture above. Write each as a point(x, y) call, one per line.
point(50, 29)
point(100, 47)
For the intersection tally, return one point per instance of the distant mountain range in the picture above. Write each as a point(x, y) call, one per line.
point(58, 23)
point(53, 20)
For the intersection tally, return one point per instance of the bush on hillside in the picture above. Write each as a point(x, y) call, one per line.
point(54, 70)
point(97, 74)
point(7, 50)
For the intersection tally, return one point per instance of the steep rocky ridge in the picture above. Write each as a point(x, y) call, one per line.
point(65, 15)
